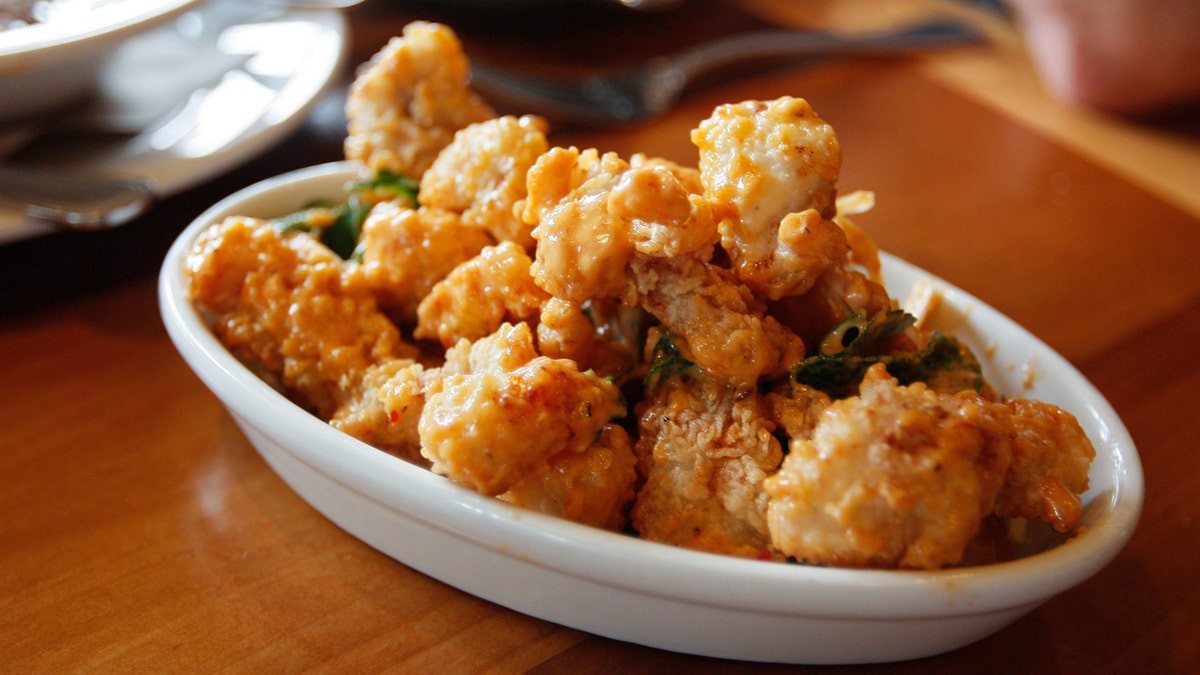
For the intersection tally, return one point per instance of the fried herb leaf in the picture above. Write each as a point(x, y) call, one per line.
point(342, 236)
point(389, 185)
point(943, 361)
point(862, 336)
point(666, 361)
point(339, 224)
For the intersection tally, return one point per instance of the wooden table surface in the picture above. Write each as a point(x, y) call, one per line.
point(141, 532)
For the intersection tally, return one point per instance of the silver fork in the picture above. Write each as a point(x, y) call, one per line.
point(652, 88)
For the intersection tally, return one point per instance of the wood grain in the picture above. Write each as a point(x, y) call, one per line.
point(141, 532)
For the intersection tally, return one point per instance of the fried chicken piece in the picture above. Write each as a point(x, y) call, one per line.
point(705, 449)
point(386, 411)
point(600, 335)
point(795, 409)
point(665, 216)
point(593, 213)
point(502, 411)
point(406, 103)
point(895, 477)
point(688, 177)
point(716, 317)
point(405, 251)
point(608, 230)
point(770, 169)
point(593, 487)
point(479, 295)
point(481, 175)
point(1051, 456)
point(839, 293)
point(582, 250)
point(282, 303)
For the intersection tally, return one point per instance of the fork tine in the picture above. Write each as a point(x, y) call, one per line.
point(594, 100)
point(646, 91)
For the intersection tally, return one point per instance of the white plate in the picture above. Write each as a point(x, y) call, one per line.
point(213, 89)
point(665, 597)
point(48, 64)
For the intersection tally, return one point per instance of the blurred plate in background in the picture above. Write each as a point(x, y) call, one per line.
point(190, 100)
point(48, 64)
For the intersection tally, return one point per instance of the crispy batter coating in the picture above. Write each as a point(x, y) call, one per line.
point(716, 317)
point(688, 177)
point(796, 408)
point(1050, 460)
point(601, 335)
point(582, 249)
point(705, 449)
point(606, 229)
point(838, 294)
point(407, 102)
point(594, 487)
point(504, 411)
point(479, 295)
point(386, 412)
point(666, 217)
point(481, 175)
point(283, 304)
point(406, 251)
point(896, 477)
point(770, 169)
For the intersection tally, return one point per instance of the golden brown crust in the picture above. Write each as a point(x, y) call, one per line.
point(281, 301)
point(407, 102)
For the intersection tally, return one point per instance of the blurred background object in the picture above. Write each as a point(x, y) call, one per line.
point(653, 87)
point(182, 103)
point(1123, 56)
point(55, 61)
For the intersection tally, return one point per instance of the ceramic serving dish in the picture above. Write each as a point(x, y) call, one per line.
point(657, 595)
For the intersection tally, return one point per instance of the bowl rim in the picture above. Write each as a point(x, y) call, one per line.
point(663, 571)
point(57, 41)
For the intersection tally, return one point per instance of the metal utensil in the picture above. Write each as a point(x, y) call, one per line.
point(75, 201)
point(650, 89)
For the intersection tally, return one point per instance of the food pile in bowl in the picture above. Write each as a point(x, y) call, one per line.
point(705, 357)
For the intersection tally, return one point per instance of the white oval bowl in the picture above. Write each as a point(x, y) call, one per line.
point(47, 65)
point(647, 593)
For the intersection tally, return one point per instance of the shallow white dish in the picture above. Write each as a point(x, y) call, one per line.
point(208, 91)
point(652, 594)
point(45, 65)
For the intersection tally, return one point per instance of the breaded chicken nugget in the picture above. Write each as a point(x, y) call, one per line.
point(504, 411)
point(895, 477)
point(1051, 456)
point(583, 250)
point(704, 449)
point(593, 487)
point(771, 169)
point(406, 251)
point(720, 323)
point(386, 411)
point(406, 103)
point(606, 229)
point(479, 295)
point(283, 303)
point(600, 335)
point(481, 175)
